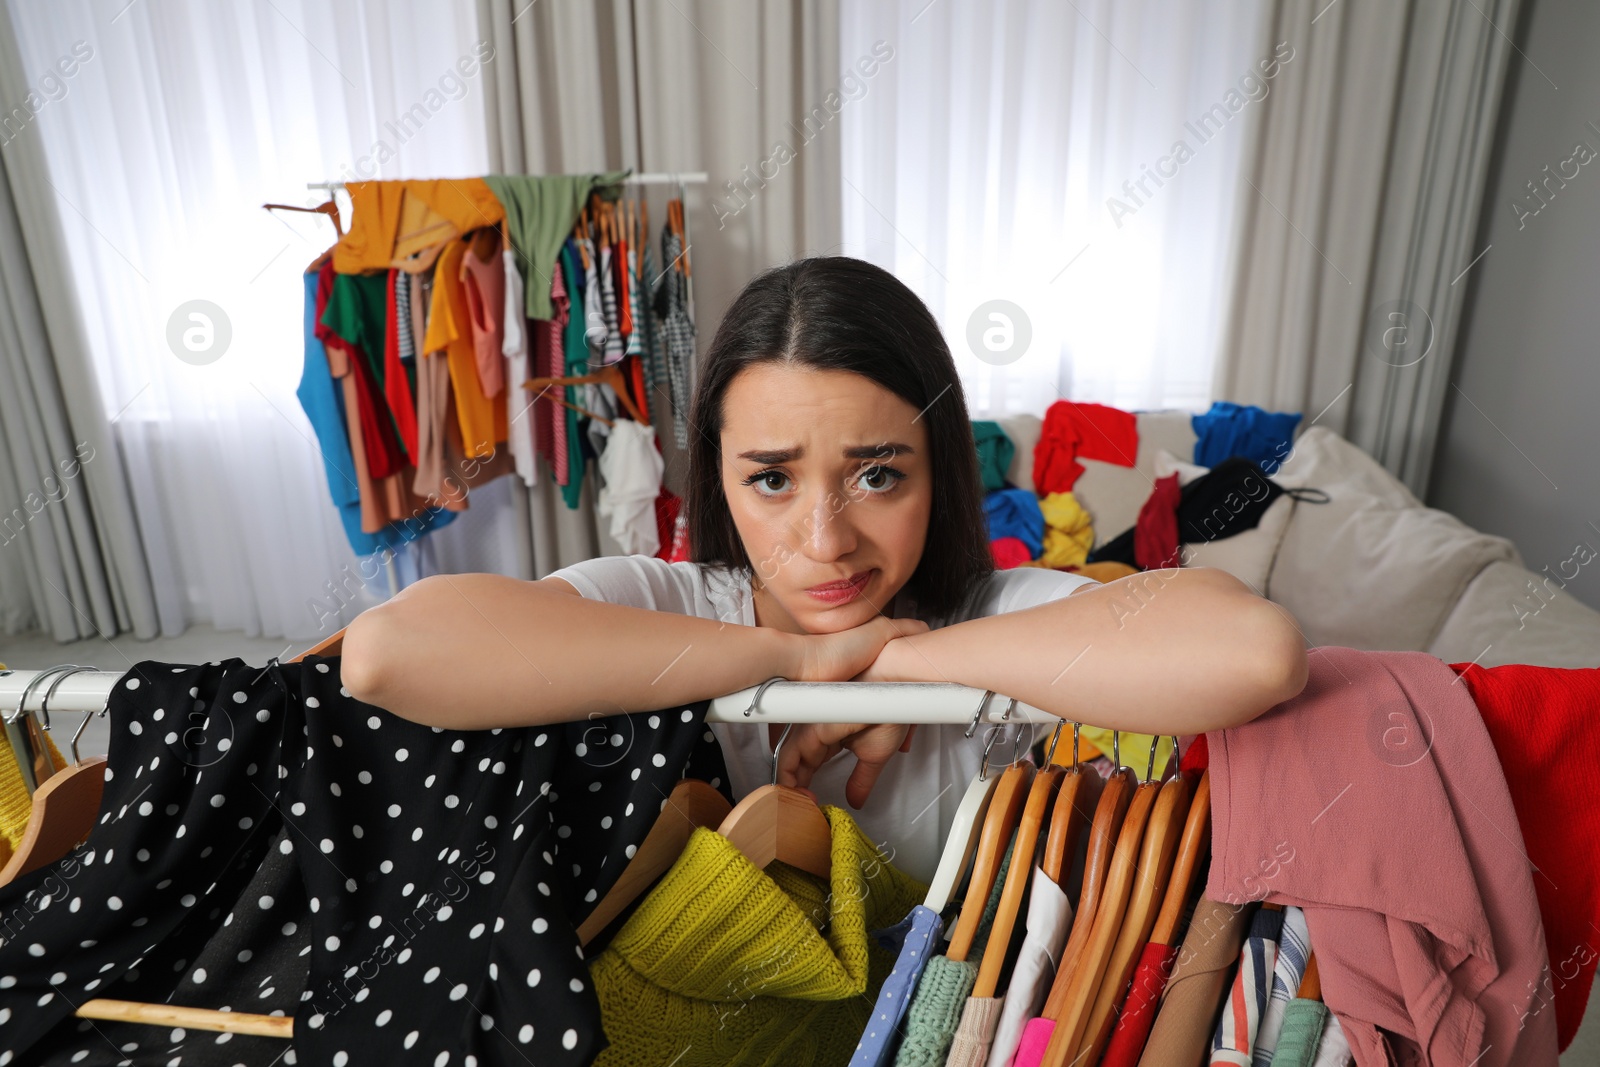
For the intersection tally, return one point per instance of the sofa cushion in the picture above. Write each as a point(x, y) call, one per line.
point(1372, 568)
point(1508, 616)
point(1246, 555)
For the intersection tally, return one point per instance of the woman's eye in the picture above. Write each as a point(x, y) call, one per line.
point(769, 483)
point(879, 479)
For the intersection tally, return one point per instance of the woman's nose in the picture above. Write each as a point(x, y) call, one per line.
point(831, 532)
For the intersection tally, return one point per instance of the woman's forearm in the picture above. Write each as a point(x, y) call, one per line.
point(472, 651)
point(1161, 652)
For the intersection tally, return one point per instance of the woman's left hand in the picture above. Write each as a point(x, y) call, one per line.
point(810, 745)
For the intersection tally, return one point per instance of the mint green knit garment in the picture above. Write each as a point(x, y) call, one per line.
point(942, 991)
point(1303, 1021)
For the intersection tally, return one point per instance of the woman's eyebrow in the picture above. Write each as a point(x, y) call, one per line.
point(884, 450)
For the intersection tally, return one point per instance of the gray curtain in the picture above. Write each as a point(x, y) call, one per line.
point(1359, 214)
point(671, 85)
point(71, 561)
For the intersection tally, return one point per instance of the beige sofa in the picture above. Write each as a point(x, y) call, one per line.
point(1372, 568)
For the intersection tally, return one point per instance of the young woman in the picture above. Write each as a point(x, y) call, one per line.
point(836, 520)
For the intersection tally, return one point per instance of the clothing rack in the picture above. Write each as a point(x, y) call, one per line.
point(779, 700)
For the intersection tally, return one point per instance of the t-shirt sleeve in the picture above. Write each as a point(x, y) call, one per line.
point(1024, 587)
point(636, 581)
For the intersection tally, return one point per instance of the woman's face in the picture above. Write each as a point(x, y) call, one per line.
point(827, 476)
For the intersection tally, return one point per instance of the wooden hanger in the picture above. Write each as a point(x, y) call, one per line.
point(1005, 809)
point(1311, 984)
point(486, 243)
point(564, 402)
point(330, 209)
point(1160, 846)
point(1075, 806)
point(1084, 977)
point(608, 374)
point(780, 822)
point(1192, 850)
point(691, 804)
point(962, 840)
point(1115, 796)
point(67, 799)
point(1041, 797)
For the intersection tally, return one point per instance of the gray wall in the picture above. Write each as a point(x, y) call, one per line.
point(1519, 451)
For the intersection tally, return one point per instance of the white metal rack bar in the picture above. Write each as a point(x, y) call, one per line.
point(695, 177)
point(780, 701)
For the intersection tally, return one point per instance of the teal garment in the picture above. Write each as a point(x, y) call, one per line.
point(575, 348)
point(540, 212)
point(1303, 1022)
point(995, 452)
point(942, 991)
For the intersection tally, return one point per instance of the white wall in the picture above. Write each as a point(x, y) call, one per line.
point(1519, 451)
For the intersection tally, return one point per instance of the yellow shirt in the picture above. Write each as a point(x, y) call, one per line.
point(726, 964)
point(394, 219)
point(483, 421)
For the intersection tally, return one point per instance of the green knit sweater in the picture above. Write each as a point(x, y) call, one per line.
point(726, 964)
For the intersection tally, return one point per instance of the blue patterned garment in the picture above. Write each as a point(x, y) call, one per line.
point(915, 937)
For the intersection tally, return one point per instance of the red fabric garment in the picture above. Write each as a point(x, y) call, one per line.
point(1375, 801)
point(1139, 1010)
point(1195, 758)
point(1541, 720)
point(1008, 552)
point(668, 504)
point(1155, 536)
point(396, 383)
point(1073, 431)
point(641, 395)
point(377, 431)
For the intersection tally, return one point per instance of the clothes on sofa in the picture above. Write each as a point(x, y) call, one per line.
point(1155, 535)
point(1433, 942)
point(724, 964)
point(1008, 552)
point(1229, 429)
point(1069, 531)
point(1015, 513)
point(445, 870)
point(1073, 431)
point(995, 452)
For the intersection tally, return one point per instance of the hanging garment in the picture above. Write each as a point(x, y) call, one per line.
point(1541, 720)
point(651, 335)
point(630, 472)
point(483, 284)
point(1015, 513)
point(1183, 1026)
point(397, 384)
point(1138, 1012)
point(912, 940)
point(639, 335)
point(321, 400)
point(1155, 536)
point(477, 851)
point(677, 327)
point(550, 361)
point(521, 428)
point(1228, 430)
point(1049, 920)
point(594, 317)
point(612, 347)
point(16, 803)
point(1294, 949)
point(995, 452)
point(1035, 1042)
point(974, 1036)
point(483, 422)
point(942, 993)
point(1069, 531)
point(1435, 936)
point(540, 211)
point(1089, 431)
point(392, 220)
point(1303, 1025)
point(354, 316)
point(1233, 1043)
point(576, 351)
point(725, 964)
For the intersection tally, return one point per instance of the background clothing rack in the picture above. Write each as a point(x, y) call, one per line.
point(933, 703)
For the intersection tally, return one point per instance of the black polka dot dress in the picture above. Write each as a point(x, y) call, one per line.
point(268, 844)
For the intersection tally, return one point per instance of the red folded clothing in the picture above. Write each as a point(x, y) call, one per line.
point(1155, 536)
point(1008, 552)
point(1074, 431)
point(1542, 723)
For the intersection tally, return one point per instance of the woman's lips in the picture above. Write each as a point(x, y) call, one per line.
point(841, 592)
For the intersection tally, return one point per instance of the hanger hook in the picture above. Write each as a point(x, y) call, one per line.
point(756, 697)
point(27, 691)
point(777, 748)
point(983, 771)
point(972, 726)
point(1077, 728)
point(1172, 764)
point(1116, 750)
point(44, 701)
point(1055, 736)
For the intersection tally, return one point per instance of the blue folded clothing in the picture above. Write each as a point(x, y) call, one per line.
point(1015, 513)
point(1230, 429)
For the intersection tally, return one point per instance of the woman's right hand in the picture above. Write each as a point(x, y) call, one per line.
point(839, 657)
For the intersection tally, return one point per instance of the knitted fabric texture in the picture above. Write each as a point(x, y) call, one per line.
point(941, 995)
point(726, 964)
point(1303, 1021)
point(975, 1032)
point(15, 800)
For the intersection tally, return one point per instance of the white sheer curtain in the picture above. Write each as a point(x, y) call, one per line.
point(162, 145)
point(979, 162)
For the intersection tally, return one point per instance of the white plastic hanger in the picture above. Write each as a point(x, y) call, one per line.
point(968, 825)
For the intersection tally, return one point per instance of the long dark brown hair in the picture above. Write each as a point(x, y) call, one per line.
point(838, 313)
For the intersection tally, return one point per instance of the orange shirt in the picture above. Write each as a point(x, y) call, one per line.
point(394, 219)
point(483, 422)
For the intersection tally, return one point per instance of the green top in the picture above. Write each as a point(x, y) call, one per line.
point(726, 964)
point(1303, 1021)
point(942, 991)
point(575, 352)
point(540, 213)
point(358, 311)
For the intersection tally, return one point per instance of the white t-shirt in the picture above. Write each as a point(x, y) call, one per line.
point(915, 798)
